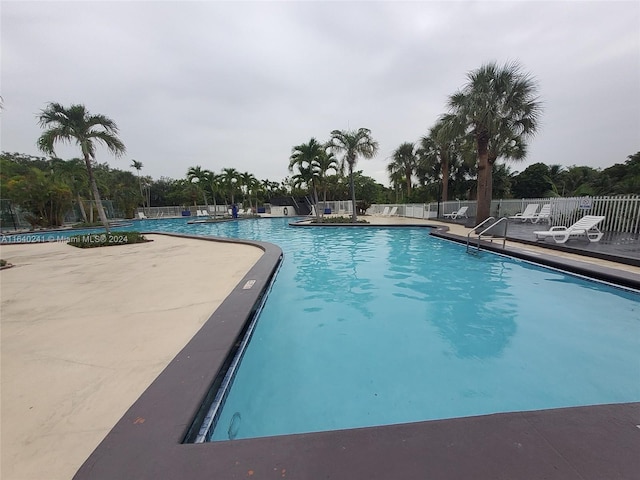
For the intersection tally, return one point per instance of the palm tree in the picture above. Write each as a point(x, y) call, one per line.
point(138, 166)
point(77, 124)
point(230, 179)
point(442, 146)
point(247, 184)
point(254, 187)
point(499, 108)
point(303, 157)
point(74, 173)
point(555, 180)
point(197, 173)
point(404, 162)
point(215, 185)
point(353, 143)
point(321, 165)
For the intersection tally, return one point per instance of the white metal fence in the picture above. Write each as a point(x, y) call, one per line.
point(178, 211)
point(336, 207)
point(622, 212)
point(339, 207)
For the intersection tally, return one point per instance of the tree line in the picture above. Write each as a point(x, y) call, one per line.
point(47, 188)
point(491, 118)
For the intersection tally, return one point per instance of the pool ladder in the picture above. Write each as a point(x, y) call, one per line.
point(496, 229)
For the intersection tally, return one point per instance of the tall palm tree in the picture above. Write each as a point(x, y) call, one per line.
point(353, 143)
point(303, 157)
point(138, 166)
point(397, 183)
point(200, 175)
point(442, 146)
point(404, 161)
point(325, 162)
point(247, 184)
point(215, 185)
point(76, 124)
point(74, 172)
point(254, 188)
point(499, 108)
point(230, 179)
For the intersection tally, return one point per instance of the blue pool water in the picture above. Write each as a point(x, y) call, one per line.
point(372, 326)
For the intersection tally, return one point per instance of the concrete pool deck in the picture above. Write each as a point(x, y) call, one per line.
point(85, 331)
point(38, 359)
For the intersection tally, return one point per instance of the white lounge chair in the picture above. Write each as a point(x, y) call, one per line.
point(462, 212)
point(393, 211)
point(543, 214)
point(586, 227)
point(385, 212)
point(141, 216)
point(528, 214)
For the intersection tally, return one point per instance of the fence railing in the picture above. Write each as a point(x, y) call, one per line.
point(340, 207)
point(622, 212)
point(180, 211)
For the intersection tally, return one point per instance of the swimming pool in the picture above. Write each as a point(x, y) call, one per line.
point(375, 326)
point(372, 326)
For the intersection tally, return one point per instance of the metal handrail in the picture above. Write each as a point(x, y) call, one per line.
point(475, 228)
point(488, 229)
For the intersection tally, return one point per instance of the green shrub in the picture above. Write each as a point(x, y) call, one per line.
point(87, 224)
point(106, 239)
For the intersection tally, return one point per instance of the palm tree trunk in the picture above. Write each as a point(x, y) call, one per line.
point(315, 194)
point(142, 193)
point(82, 210)
point(96, 193)
point(445, 178)
point(484, 181)
point(324, 199)
point(352, 188)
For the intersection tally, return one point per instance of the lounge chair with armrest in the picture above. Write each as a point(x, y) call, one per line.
point(462, 212)
point(585, 227)
point(529, 213)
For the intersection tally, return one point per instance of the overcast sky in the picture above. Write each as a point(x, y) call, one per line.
point(237, 84)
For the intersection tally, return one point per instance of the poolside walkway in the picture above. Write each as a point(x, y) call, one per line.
point(84, 332)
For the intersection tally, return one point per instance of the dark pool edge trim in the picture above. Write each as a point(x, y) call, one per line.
point(219, 390)
point(161, 418)
point(306, 223)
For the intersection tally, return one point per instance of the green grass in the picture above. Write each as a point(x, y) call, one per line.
point(106, 240)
